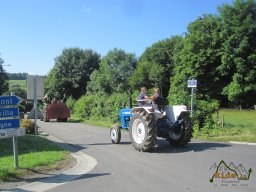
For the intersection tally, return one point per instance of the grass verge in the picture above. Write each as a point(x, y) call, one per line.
point(32, 155)
point(231, 125)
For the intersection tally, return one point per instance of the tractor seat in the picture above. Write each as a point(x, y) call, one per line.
point(159, 104)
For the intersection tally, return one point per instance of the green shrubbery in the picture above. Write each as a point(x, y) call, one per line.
point(106, 108)
point(70, 103)
point(28, 125)
point(101, 106)
point(203, 111)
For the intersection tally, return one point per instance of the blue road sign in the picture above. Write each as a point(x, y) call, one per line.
point(9, 100)
point(9, 112)
point(9, 123)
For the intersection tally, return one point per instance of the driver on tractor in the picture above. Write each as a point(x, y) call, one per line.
point(158, 102)
point(143, 98)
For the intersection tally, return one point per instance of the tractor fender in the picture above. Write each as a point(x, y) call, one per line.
point(173, 112)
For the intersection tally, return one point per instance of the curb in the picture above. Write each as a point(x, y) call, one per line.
point(242, 143)
point(85, 164)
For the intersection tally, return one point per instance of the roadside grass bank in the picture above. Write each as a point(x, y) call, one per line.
point(230, 125)
point(34, 154)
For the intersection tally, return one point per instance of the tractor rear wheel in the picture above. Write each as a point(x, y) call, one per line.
point(115, 134)
point(142, 132)
point(182, 136)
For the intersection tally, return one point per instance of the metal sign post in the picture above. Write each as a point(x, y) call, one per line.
point(192, 84)
point(35, 91)
point(35, 102)
point(15, 149)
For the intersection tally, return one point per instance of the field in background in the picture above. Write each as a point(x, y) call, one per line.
point(231, 125)
point(16, 83)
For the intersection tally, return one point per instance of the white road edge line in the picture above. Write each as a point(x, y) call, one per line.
point(242, 143)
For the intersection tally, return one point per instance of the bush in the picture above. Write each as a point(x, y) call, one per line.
point(84, 106)
point(203, 111)
point(100, 106)
point(28, 125)
point(70, 103)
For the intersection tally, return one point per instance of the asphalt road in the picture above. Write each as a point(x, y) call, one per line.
point(123, 169)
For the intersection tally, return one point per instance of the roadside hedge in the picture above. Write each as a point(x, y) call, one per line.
point(101, 106)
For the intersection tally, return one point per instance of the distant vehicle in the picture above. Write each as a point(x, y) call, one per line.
point(58, 111)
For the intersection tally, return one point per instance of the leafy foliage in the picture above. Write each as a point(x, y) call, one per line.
point(28, 125)
point(203, 113)
point(70, 103)
point(239, 52)
point(3, 78)
point(71, 72)
point(155, 66)
point(18, 90)
point(101, 106)
point(113, 73)
point(198, 59)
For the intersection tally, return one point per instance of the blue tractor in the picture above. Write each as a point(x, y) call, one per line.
point(148, 122)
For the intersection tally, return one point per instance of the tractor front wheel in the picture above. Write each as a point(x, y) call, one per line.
point(142, 133)
point(115, 134)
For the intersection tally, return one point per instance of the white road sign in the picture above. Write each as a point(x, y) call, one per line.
point(192, 83)
point(16, 132)
point(39, 86)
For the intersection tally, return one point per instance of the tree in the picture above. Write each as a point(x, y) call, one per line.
point(238, 65)
point(199, 59)
point(71, 72)
point(3, 78)
point(155, 65)
point(114, 72)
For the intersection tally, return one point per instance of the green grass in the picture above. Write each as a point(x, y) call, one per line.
point(15, 83)
point(238, 125)
point(31, 156)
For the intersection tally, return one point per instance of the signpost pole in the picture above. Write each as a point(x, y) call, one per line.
point(192, 97)
point(15, 150)
point(35, 107)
